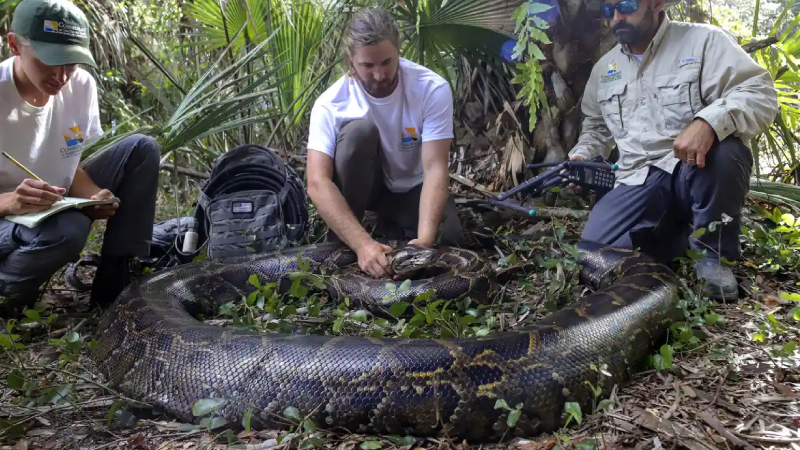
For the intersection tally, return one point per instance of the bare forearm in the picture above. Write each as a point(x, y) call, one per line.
point(432, 204)
point(335, 211)
point(83, 186)
point(5, 203)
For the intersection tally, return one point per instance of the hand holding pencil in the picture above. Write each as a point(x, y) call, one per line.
point(32, 195)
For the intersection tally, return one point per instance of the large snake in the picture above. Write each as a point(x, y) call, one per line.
point(153, 349)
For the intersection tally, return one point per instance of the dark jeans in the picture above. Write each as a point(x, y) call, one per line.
point(29, 257)
point(659, 216)
point(359, 177)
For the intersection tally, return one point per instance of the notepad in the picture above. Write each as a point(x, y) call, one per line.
point(32, 220)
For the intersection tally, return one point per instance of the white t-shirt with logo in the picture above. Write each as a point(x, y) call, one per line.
point(47, 140)
point(419, 110)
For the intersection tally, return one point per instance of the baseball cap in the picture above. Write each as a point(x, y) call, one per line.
point(57, 30)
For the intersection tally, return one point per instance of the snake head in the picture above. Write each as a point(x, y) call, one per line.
point(411, 258)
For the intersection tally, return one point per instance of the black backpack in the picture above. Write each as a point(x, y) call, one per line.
point(253, 202)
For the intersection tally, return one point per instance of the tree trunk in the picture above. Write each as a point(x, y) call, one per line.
point(575, 35)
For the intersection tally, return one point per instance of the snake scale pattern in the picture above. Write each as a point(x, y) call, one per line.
point(153, 348)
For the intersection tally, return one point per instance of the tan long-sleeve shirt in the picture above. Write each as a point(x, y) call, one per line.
point(688, 71)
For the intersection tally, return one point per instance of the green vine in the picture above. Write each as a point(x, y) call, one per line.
point(529, 30)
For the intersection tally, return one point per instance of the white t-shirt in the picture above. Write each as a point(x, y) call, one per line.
point(419, 110)
point(46, 140)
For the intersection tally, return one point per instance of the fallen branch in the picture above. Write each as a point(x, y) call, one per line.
point(664, 428)
point(675, 403)
point(474, 185)
point(771, 440)
point(758, 45)
point(715, 424)
point(184, 171)
point(26, 368)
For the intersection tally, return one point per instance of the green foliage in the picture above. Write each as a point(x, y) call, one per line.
point(212, 105)
point(438, 33)
point(529, 29)
point(300, 27)
point(774, 246)
point(780, 59)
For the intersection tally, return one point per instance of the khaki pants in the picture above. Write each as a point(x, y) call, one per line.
point(359, 177)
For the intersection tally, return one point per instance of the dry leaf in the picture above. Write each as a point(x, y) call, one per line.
point(546, 444)
point(771, 301)
point(688, 390)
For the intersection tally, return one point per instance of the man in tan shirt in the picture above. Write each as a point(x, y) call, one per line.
point(681, 101)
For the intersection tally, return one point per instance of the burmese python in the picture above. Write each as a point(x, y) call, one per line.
point(154, 350)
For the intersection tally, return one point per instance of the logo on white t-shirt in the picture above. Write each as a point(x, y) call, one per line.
point(409, 138)
point(73, 141)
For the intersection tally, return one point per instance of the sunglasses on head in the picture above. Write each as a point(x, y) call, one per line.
point(624, 7)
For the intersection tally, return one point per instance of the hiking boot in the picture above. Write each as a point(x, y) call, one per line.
point(720, 284)
point(112, 277)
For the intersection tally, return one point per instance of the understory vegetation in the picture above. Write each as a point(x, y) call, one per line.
point(205, 76)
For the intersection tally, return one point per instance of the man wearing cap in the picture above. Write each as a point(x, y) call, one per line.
point(681, 101)
point(48, 111)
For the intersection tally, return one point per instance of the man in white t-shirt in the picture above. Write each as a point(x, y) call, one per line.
point(48, 110)
point(379, 140)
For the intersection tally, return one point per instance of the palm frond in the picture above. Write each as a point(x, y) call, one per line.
point(215, 103)
point(449, 36)
point(787, 194)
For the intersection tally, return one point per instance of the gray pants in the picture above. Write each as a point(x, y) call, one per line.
point(659, 216)
point(29, 257)
point(359, 177)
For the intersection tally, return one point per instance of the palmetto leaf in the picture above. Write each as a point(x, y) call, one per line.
point(461, 39)
point(215, 103)
point(300, 29)
point(473, 29)
point(216, 32)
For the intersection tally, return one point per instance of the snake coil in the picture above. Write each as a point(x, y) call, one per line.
point(153, 348)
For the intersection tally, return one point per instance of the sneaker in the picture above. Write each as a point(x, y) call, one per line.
point(112, 277)
point(720, 283)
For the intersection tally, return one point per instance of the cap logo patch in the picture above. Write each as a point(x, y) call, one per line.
point(52, 26)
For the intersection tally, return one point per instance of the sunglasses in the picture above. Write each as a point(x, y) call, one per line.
point(624, 7)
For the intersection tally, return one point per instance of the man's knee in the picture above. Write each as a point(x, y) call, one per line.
point(729, 158)
point(145, 150)
point(357, 139)
point(66, 234)
point(600, 228)
point(41, 251)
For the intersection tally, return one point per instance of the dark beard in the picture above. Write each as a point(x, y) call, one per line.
point(628, 34)
point(378, 89)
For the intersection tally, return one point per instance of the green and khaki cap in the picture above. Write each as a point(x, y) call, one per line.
point(57, 30)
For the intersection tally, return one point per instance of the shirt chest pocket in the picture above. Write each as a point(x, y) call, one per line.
point(611, 100)
point(678, 97)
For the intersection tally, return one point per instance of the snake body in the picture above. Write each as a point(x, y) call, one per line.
point(153, 348)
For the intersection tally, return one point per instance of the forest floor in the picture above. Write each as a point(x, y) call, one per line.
point(729, 378)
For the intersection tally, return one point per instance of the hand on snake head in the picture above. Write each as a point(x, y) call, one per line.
point(372, 259)
point(410, 258)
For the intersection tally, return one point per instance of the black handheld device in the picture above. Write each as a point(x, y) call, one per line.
point(599, 179)
point(596, 176)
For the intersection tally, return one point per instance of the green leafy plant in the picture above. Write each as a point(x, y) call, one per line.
point(212, 105)
point(530, 32)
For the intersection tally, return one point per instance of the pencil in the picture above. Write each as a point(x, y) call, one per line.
point(17, 163)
